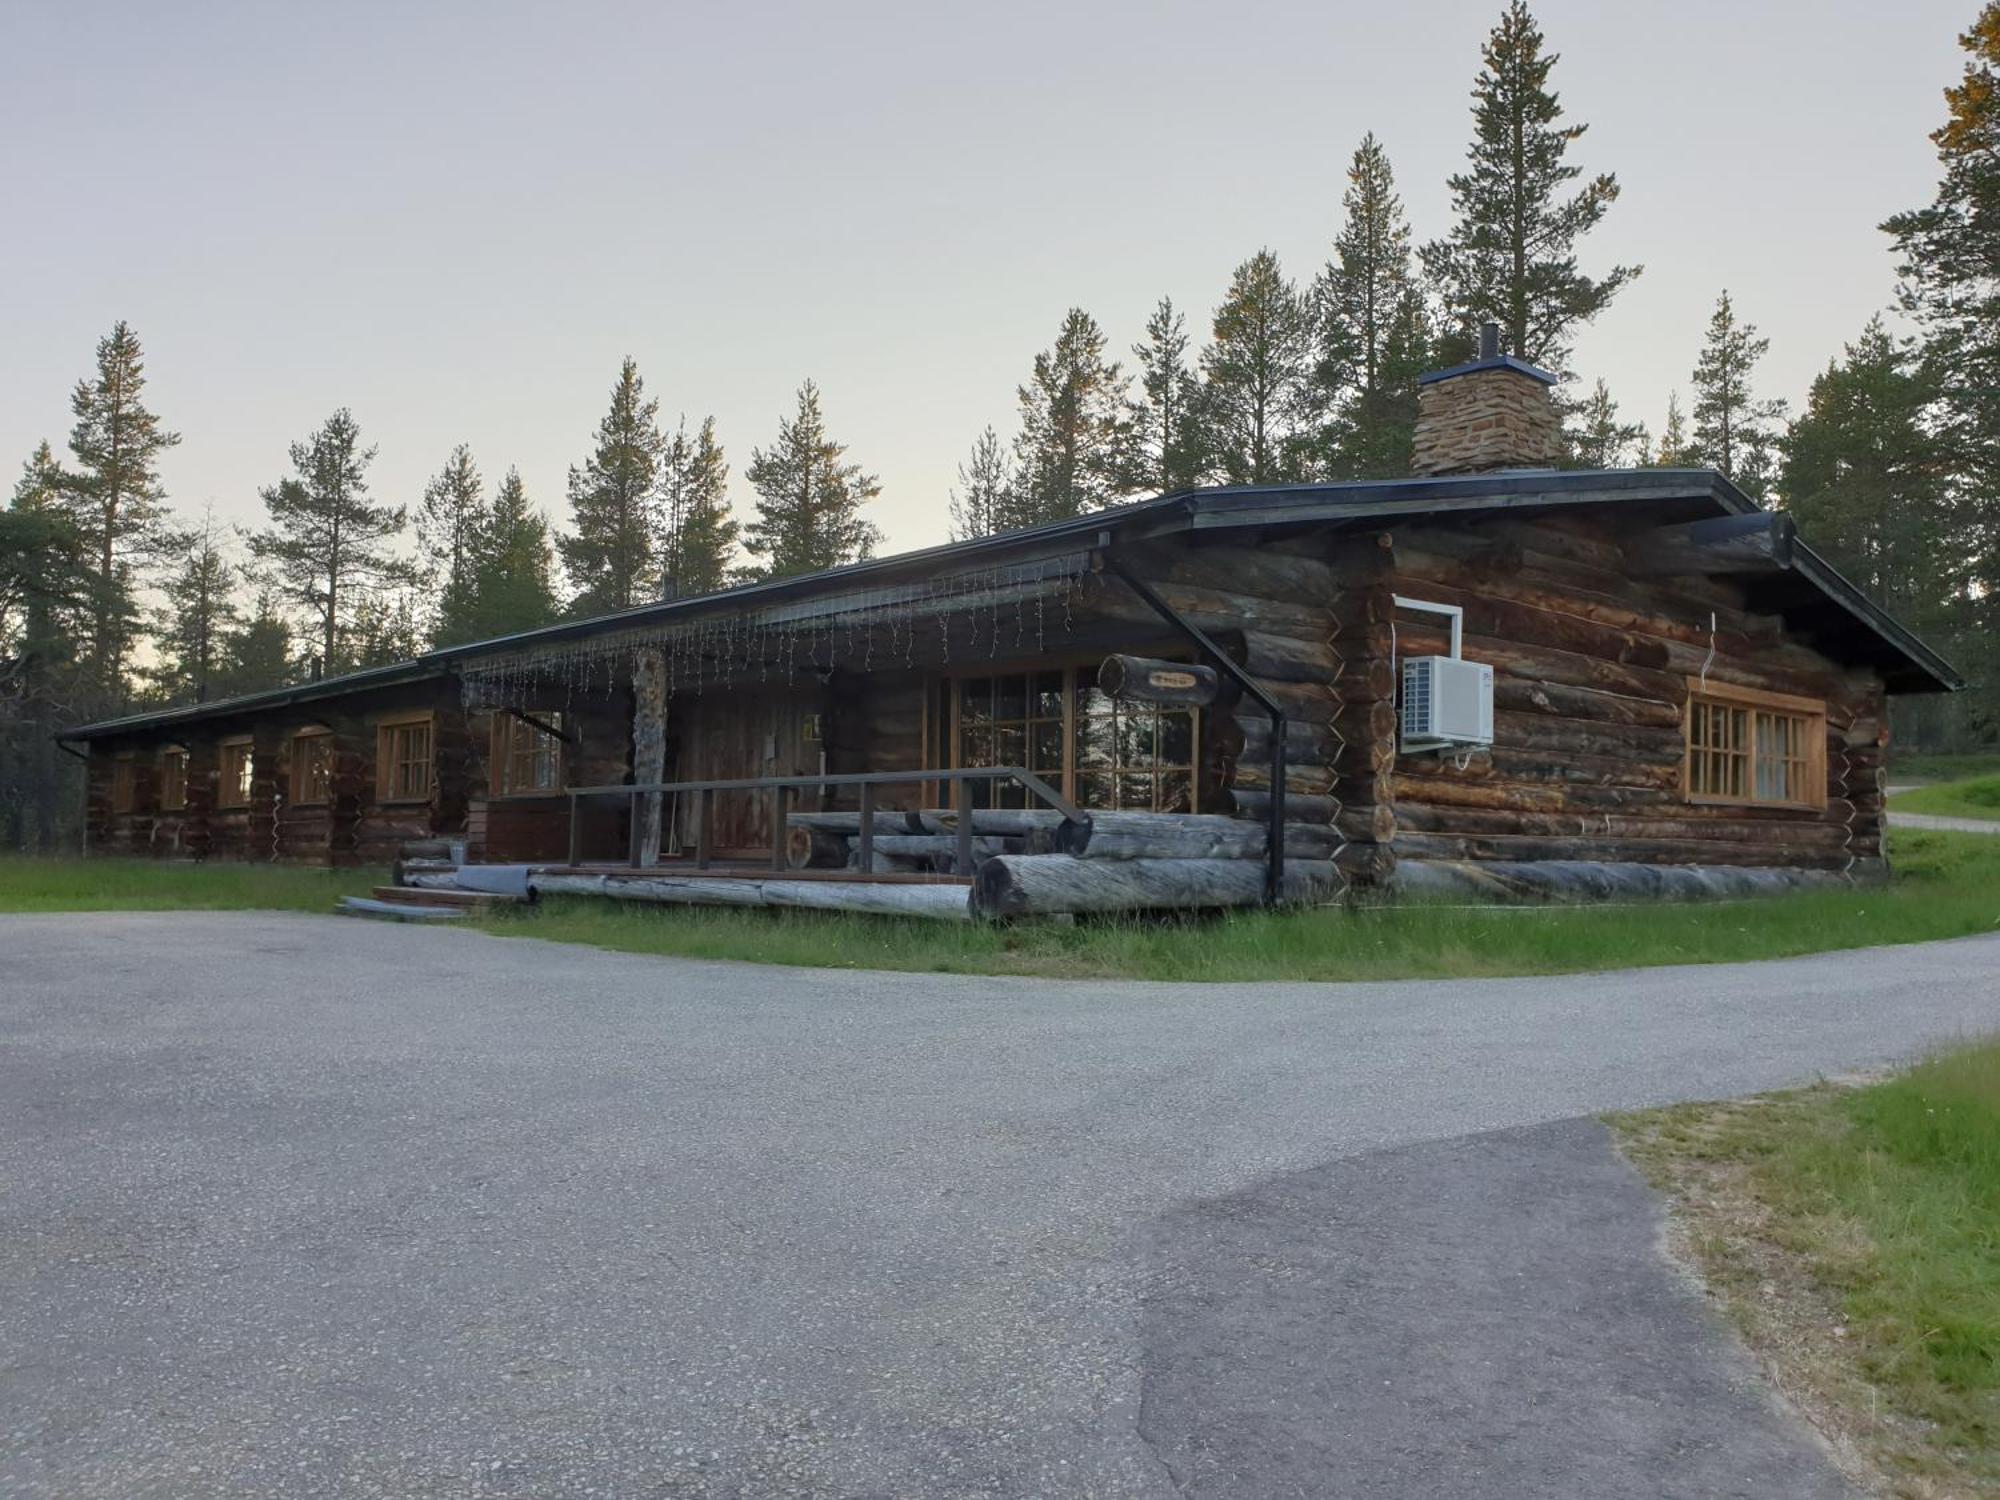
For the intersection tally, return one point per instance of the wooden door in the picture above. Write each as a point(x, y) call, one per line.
point(736, 735)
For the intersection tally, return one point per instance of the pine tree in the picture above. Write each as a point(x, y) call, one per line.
point(608, 554)
point(1598, 440)
point(257, 652)
point(1676, 450)
point(1950, 264)
point(513, 571)
point(385, 630)
point(200, 611)
point(987, 498)
point(449, 523)
point(1511, 254)
point(698, 536)
point(1734, 432)
point(1373, 334)
point(1164, 455)
point(1255, 395)
point(808, 501)
point(327, 546)
point(1868, 484)
point(1071, 453)
point(116, 495)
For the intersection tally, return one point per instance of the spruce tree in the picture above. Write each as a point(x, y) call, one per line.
point(1734, 431)
point(987, 498)
point(513, 569)
point(449, 524)
point(200, 611)
point(1598, 440)
point(257, 652)
point(116, 494)
point(1511, 254)
point(697, 533)
point(808, 500)
point(327, 547)
point(608, 554)
point(1373, 331)
point(1164, 452)
point(1255, 395)
point(1676, 450)
point(1071, 453)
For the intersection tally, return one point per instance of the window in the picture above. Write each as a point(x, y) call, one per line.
point(232, 788)
point(1754, 747)
point(124, 784)
point(1098, 752)
point(173, 778)
point(403, 759)
point(312, 766)
point(527, 758)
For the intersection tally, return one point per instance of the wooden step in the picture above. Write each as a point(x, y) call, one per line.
point(397, 911)
point(427, 896)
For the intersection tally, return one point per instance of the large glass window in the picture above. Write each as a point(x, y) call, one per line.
point(1056, 723)
point(527, 757)
point(403, 760)
point(312, 766)
point(232, 787)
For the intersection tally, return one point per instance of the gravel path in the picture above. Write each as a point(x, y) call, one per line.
point(295, 1206)
point(1949, 825)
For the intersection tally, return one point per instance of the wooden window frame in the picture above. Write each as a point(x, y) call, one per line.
point(297, 778)
point(124, 784)
point(507, 731)
point(387, 765)
point(1812, 711)
point(225, 785)
point(173, 788)
point(1074, 669)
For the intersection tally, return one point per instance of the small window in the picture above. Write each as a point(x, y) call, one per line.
point(403, 760)
point(312, 766)
point(173, 778)
point(1754, 747)
point(232, 787)
point(1133, 756)
point(124, 784)
point(527, 757)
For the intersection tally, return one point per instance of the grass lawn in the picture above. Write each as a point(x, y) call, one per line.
point(1911, 770)
point(1947, 885)
point(1978, 797)
point(1853, 1235)
point(158, 885)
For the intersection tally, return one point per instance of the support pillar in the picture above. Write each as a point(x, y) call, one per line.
point(649, 747)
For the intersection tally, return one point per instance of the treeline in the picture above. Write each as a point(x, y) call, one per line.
point(110, 602)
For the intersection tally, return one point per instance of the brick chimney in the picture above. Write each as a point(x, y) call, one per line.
point(1492, 413)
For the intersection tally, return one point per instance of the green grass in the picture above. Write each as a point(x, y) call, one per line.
point(1912, 769)
point(1976, 798)
point(1855, 1235)
point(1947, 885)
point(159, 885)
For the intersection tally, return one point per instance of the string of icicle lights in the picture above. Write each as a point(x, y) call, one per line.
point(1014, 607)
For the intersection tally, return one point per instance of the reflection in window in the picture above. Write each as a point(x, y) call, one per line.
point(1133, 756)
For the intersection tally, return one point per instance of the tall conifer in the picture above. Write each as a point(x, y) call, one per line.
point(698, 535)
point(608, 553)
point(1071, 453)
point(809, 499)
point(513, 570)
point(1734, 431)
point(1164, 452)
point(449, 524)
point(200, 611)
point(987, 498)
point(1255, 396)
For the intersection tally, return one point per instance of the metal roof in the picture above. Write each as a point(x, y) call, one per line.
point(1817, 597)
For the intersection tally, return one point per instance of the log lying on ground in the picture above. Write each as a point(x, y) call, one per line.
point(1004, 822)
point(887, 820)
point(1046, 884)
point(1137, 835)
point(947, 902)
point(1607, 880)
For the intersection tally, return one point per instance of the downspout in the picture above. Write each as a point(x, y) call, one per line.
point(1274, 871)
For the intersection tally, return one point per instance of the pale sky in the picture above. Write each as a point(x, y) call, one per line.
point(457, 219)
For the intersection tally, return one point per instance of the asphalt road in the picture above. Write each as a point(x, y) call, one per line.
point(296, 1206)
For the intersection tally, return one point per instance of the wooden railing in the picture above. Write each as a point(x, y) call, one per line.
point(782, 789)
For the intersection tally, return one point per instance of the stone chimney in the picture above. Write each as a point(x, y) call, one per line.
point(1493, 413)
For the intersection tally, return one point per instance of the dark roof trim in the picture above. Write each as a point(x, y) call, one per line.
point(1491, 362)
point(1238, 507)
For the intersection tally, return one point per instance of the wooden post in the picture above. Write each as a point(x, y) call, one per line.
point(961, 796)
point(575, 833)
point(649, 748)
point(781, 805)
point(704, 818)
point(865, 848)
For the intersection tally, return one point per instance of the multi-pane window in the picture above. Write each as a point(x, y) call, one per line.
point(232, 786)
point(173, 778)
point(1099, 752)
point(312, 766)
point(1749, 746)
point(403, 760)
point(529, 757)
point(1133, 756)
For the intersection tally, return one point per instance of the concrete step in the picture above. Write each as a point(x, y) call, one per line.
point(426, 896)
point(397, 911)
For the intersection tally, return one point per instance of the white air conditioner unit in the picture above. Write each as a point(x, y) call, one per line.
point(1447, 703)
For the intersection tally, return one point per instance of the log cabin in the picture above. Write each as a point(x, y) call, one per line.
point(1494, 676)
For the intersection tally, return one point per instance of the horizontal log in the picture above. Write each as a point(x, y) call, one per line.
point(1803, 830)
point(1604, 880)
point(945, 901)
point(1410, 844)
point(1034, 885)
point(1312, 780)
point(887, 820)
point(1305, 742)
point(1592, 705)
point(1284, 658)
point(1144, 679)
point(1136, 835)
